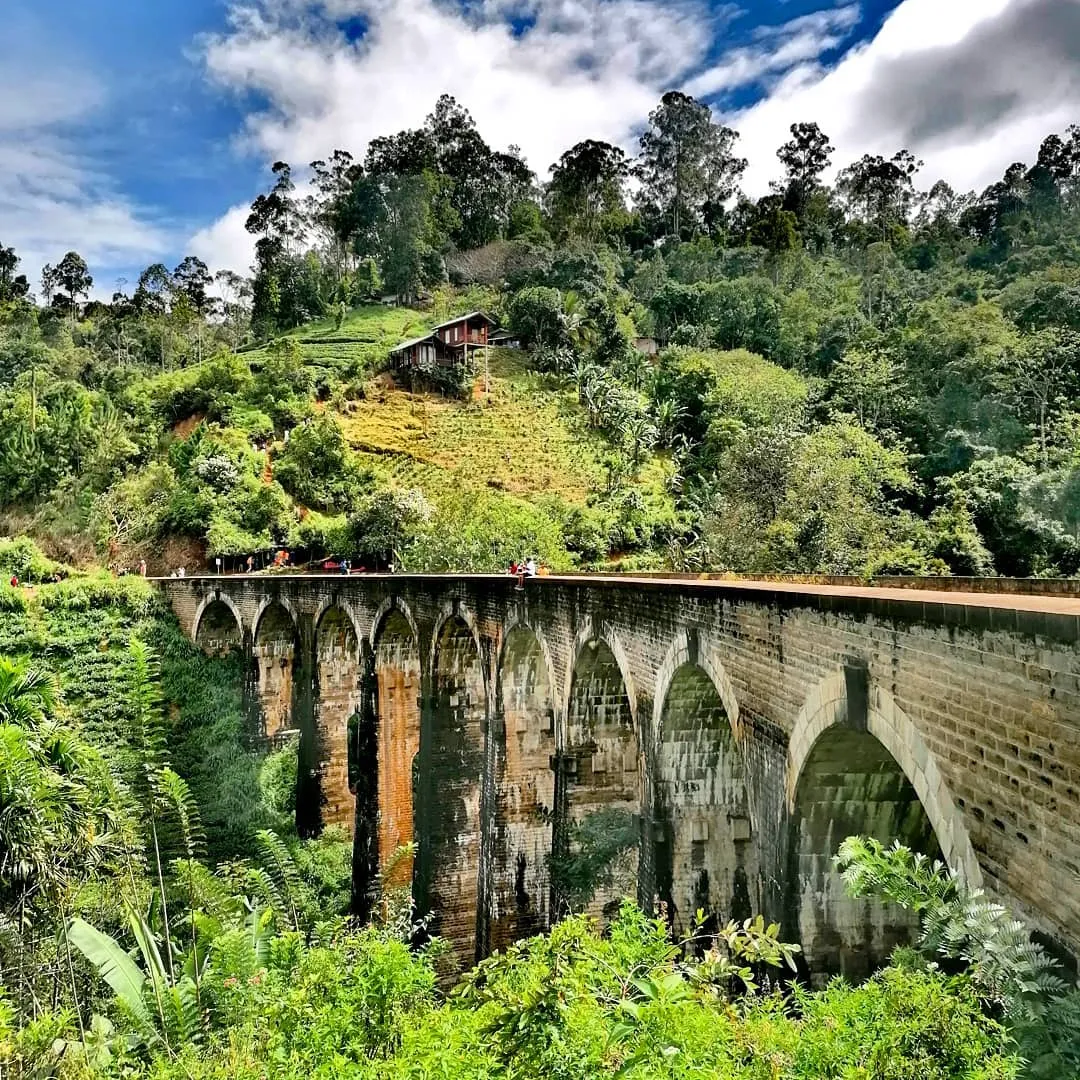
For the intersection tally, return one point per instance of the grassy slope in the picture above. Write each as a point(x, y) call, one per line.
point(523, 439)
point(365, 337)
point(527, 437)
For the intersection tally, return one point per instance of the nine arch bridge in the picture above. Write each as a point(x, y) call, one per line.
point(719, 738)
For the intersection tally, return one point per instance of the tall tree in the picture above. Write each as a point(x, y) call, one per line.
point(687, 160)
point(12, 286)
point(192, 279)
point(410, 261)
point(153, 290)
point(67, 281)
point(277, 215)
point(880, 189)
point(330, 208)
point(587, 183)
point(804, 157)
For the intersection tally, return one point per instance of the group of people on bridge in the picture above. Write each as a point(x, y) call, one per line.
point(526, 568)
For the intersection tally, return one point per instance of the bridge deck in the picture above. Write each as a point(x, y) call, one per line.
point(1057, 597)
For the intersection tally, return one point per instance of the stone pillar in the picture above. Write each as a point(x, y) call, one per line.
point(564, 766)
point(250, 691)
point(489, 799)
point(646, 881)
point(424, 794)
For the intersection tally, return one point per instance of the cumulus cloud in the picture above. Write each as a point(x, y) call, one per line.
point(583, 68)
point(777, 50)
point(226, 244)
point(969, 86)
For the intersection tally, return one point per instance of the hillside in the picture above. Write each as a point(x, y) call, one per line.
point(511, 466)
point(849, 378)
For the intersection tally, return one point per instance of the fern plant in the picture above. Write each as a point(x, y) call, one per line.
point(1011, 972)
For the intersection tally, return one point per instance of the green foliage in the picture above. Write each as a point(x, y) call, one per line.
point(1007, 969)
point(317, 468)
point(62, 814)
point(900, 1025)
point(591, 857)
point(22, 558)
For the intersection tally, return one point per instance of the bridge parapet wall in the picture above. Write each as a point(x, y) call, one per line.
point(976, 700)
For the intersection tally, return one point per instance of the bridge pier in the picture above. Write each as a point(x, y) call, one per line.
point(716, 740)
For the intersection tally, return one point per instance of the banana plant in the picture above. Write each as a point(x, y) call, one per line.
point(161, 1002)
point(162, 1008)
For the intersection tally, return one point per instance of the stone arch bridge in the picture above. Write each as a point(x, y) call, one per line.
point(708, 743)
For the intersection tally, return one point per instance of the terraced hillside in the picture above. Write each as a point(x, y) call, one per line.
point(515, 457)
point(362, 341)
point(522, 433)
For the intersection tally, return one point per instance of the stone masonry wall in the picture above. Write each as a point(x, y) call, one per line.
point(977, 706)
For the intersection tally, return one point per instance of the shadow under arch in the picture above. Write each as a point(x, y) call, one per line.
point(218, 628)
point(338, 699)
point(454, 769)
point(704, 851)
point(391, 606)
point(524, 732)
point(858, 765)
point(597, 842)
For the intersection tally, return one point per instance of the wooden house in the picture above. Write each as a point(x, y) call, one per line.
point(447, 345)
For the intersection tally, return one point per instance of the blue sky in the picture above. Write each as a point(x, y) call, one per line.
point(138, 130)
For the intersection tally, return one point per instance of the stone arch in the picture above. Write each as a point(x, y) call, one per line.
point(600, 779)
point(273, 600)
point(704, 856)
point(338, 699)
point(689, 647)
point(452, 613)
point(275, 659)
point(342, 604)
point(218, 628)
point(456, 768)
point(396, 665)
point(525, 786)
point(385, 610)
point(858, 765)
point(588, 632)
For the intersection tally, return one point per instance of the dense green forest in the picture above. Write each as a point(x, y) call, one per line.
point(856, 377)
point(159, 917)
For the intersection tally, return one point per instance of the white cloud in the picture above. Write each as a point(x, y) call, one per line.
point(968, 85)
point(586, 68)
point(777, 49)
point(226, 244)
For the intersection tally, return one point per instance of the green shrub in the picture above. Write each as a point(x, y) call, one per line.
point(22, 557)
point(132, 595)
point(11, 599)
point(901, 1025)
